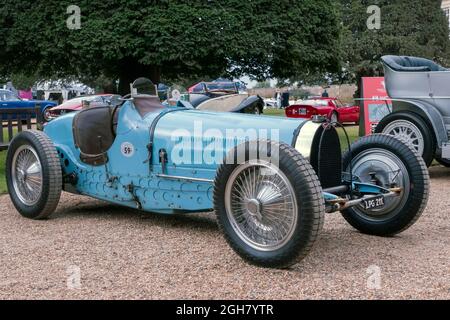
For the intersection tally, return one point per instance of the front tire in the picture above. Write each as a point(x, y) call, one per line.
point(391, 163)
point(270, 211)
point(413, 129)
point(33, 175)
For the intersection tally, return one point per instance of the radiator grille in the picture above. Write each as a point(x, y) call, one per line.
point(326, 158)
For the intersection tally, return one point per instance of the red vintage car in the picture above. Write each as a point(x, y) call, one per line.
point(332, 108)
point(76, 104)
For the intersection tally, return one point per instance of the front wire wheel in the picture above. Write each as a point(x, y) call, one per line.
point(261, 205)
point(271, 215)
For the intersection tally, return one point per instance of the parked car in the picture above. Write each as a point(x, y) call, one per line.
point(224, 97)
point(420, 95)
point(332, 108)
point(270, 103)
point(217, 86)
point(270, 193)
point(10, 100)
point(76, 104)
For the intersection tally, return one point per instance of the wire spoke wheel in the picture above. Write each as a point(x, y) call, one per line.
point(261, 205)
point(408, 132)
point(33, 174)
point(270, 215)
point(27, 175)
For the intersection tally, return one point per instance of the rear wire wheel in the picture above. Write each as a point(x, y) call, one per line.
point(33, 174)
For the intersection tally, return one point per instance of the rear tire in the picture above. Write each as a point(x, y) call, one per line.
point(418, 133)
point(33, 175)
point(368, 155)
point(283, 211)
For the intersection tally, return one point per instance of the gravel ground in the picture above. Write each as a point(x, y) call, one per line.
point(123, 254)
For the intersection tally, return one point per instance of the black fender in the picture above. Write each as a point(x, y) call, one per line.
point(251, 101)
point(428, 112)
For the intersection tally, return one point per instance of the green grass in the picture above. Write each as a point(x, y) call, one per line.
point(274, 112)
point(353, 135)
point(352, 131)
point(3, 188)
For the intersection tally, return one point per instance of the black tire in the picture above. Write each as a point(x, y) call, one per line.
point(260, 110)
point(421, 124)
point(51, 174)
point(253, 110)
point(308, 195)
point(405, 214)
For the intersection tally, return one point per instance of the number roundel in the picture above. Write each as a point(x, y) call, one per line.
point(127, 149)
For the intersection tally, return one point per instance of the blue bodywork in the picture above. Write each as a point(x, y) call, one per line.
point(129, 179)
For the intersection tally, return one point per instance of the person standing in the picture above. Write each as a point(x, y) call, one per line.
point(278, 98)
point(325, 94)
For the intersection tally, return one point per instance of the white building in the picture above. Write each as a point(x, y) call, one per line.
point(63, 87)
point(446, 8)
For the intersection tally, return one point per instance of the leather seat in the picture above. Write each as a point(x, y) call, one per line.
point(411, 64)
point(145, 104)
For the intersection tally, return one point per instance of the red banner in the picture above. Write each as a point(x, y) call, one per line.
point(376, 103)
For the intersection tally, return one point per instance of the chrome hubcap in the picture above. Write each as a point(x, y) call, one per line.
point(385, 169)
point(261, 205)
point(408, 132)
point(27, 175)
point(254, 208)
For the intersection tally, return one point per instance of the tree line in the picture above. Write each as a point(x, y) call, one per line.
point(110, 42)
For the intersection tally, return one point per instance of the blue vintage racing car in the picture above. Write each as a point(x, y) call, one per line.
point(269, 180)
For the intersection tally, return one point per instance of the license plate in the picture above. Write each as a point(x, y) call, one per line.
point(374, 203)
point(302, 112)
